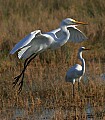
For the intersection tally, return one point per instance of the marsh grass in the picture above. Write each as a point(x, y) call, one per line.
point(44, 83)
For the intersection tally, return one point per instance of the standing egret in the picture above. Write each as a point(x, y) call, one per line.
point(37, 42)
point(76, 71)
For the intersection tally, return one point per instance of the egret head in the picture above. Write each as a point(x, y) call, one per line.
point(82, 49)
point(70, 21)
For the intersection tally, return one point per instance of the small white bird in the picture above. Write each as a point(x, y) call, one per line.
point(76, 71)
point(37, 42)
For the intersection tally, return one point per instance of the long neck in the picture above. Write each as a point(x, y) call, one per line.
point(64, 35)
point(83, 61)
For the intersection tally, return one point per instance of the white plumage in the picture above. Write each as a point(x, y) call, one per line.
point(77, 71)
point(73, 73)
point(36, 42)
point(39, 42)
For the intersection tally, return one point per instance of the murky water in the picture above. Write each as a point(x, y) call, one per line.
point(44, 114)
point(87, 113)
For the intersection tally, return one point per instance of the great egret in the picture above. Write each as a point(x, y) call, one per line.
point(37, 42)
point(76, 71)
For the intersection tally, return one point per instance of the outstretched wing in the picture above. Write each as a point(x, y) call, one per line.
point(33, 43)
point(76, 35)
point(25, 41)
point(38, 44)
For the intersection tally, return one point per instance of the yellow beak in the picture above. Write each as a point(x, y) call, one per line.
point(87, 49)
point(83, 23)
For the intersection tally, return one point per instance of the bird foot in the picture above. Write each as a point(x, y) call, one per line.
point(20, 86)
point(20, 83)
point(16, 80)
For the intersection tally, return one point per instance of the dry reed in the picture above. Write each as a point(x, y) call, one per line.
point(44, 85)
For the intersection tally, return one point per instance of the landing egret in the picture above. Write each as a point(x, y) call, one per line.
point(76, 71)
point(37, 42)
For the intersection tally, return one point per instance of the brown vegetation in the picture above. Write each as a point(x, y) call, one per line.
point(44, 84)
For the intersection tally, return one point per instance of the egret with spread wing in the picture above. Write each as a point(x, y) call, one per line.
point(37, 42)
point(76, 71)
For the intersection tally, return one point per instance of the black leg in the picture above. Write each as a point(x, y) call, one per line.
point(75, 113)
point(21, 84)
point(26, 63)
point(17, 77)
point(78, 85)
point(73, 90)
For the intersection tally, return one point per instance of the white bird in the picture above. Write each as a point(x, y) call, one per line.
point(37, 42)
point(76, 71)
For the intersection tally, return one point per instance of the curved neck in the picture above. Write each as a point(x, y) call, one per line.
point(82, 60)
point(64, 35)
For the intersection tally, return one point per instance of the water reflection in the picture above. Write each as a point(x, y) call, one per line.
point(102, 76)
point(43, 114)
point(95, 112)
point(19, 113)
point(90, 113)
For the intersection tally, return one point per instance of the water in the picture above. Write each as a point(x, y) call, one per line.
point(43, 114)
point(102, 76)
point(95, 112)
point(87, 112)
point(90, 113)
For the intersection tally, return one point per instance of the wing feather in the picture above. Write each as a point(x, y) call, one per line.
point(37, 44)
point(33, 43)
point(22, 51)
point(76, 35)
point(25, 41)
point(74, 71)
